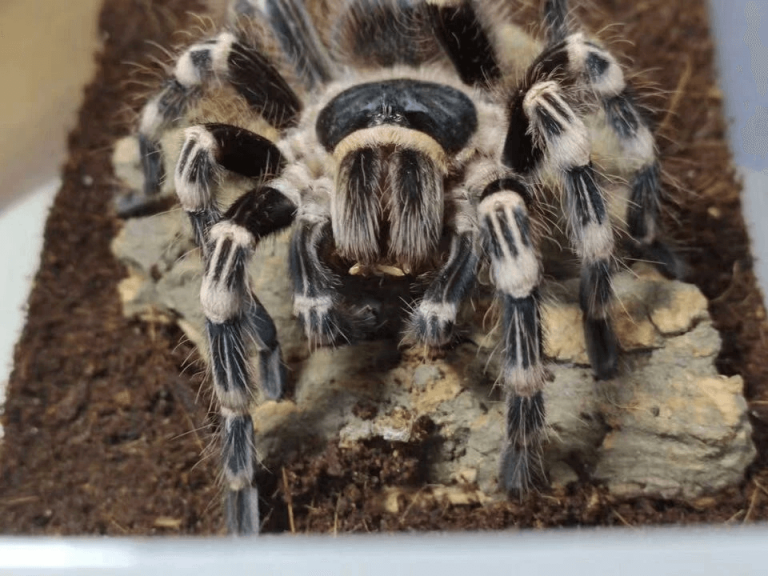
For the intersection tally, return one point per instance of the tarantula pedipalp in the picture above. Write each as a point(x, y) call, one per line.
point(401, 150)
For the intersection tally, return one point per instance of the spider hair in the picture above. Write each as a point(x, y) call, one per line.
point(398, 145)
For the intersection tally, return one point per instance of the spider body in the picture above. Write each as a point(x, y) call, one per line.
point(403, 151)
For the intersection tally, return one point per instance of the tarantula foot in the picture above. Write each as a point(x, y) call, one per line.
point(334, 326)
point(432, 328)
point(662, 256)
point(521, 470)
point(133, 204)
point(242, 512)
point(602, 347)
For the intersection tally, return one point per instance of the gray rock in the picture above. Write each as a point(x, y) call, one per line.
point(669, 425)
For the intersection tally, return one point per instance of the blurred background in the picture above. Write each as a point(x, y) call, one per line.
point(47, 49)
point(51, 44)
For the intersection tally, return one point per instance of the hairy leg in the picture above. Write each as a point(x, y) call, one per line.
point(588, 63)
point(239, 327)
point(225, 58)
point(516, 273)
point(208, 150)
point(545, 133)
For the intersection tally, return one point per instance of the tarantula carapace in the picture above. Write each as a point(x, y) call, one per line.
point(403, 149)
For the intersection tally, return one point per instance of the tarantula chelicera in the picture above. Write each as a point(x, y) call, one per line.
point(404, 148)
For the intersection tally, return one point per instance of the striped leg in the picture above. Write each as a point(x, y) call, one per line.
point(207, 150)
point(433, 319)
point(588, 62)
point(237, 325)
point(224, 57)
point(316, 302)
point(645, 199)
point(547, 132)
point(516, 273)
point(459, 30)
point(295, 33)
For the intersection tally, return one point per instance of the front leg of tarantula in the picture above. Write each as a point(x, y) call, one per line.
point(588, 63)
point(326, 319)
point(516, 273)
point(237, 325)
point(225, 58)
point(545, 133)
point(207, 151)
point(433, 319)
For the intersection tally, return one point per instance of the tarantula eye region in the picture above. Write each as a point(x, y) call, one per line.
point(442, 112)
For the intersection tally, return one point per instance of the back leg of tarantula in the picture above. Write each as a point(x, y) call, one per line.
point(586, 61)
point(461, 33)
point(516, 273)
point(224, 57)
point(296, 34)
point(237, 325)
point(546, 134)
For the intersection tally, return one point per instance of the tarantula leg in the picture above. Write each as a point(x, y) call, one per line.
point(224, 57)
point(562, 139)
point(433, 320)
point(458, 28)
point(516, 273)
point(556, 20)
point(382, 33)
point(206, 150)
point(242, 511)
point(238, 457)
point(645, 198)
point(236, 322)
point(590, 63)
point(522, 462)
point(297, 36)
point(259, 213)
point(316, 301)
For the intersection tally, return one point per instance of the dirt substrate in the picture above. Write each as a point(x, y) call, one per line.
point(103, 418)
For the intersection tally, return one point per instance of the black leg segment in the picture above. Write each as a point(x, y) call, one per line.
point(522, 466)
point(556, 20)
point(262, 211)
point(244, 152)
point(466, 42)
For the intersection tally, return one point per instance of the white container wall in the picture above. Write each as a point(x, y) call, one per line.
point(740, 28)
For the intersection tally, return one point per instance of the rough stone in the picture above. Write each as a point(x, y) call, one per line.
point(669, 425)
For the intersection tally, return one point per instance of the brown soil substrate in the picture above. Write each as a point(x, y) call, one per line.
point(103, 418)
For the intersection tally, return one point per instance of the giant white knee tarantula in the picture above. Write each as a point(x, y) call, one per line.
point(402, 150)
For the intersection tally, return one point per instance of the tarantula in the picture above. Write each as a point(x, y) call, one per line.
point(403, 150)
